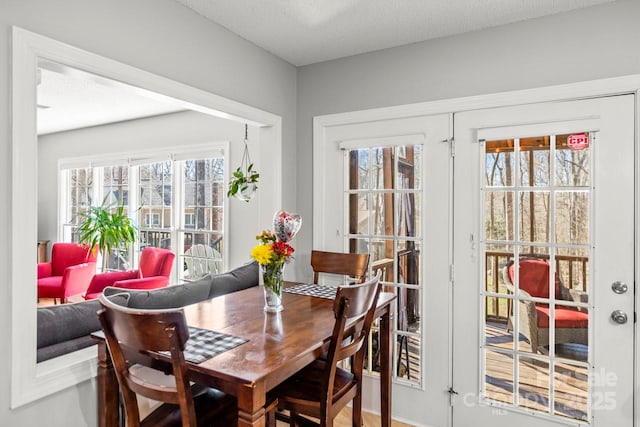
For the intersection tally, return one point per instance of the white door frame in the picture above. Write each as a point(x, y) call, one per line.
point(573, 91)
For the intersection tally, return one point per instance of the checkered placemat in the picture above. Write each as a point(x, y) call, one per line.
point(203, 344)
point(313, 290)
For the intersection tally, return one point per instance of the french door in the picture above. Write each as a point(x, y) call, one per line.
point(543, 296)
point(384, 188)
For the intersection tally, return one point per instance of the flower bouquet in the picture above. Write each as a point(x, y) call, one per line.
point(272, 253)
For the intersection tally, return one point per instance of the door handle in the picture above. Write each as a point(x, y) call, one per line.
point(619, 287)
point(619, 316)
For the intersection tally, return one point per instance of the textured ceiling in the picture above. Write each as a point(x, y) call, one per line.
point(307, 31)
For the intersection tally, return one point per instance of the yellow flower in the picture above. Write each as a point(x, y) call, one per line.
point(262, 253)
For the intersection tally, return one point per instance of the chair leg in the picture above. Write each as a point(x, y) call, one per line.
point(292, 419)
point(356, 412)
point(271, 413)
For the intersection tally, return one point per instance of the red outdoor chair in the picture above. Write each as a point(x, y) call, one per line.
point(153, 272)
point(571, 323)
point(68, 273)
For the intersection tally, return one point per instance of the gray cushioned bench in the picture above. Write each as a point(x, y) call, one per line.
point(67, 327)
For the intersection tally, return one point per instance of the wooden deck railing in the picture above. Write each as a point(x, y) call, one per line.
point(572, 271)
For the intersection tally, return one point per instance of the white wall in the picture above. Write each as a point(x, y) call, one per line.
point(587, 44)
point(154, 133)
point(159, 36)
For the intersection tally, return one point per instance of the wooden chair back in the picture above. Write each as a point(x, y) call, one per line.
point(354, 308)
point(351, 265)
point(130, 331)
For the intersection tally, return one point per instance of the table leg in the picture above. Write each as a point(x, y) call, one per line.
point(251, 401)
point(385, 367)
point(108, 397)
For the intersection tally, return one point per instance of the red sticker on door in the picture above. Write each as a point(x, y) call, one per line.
point(578, 141)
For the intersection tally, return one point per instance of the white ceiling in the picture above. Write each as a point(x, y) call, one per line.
point(71, 99)
point(304, 32)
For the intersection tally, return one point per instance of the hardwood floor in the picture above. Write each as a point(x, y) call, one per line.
point(369, 420)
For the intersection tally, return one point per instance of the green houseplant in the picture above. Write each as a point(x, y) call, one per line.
point(243, 183)
point(108, 227)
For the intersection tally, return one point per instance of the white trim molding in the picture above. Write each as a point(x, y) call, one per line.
point(30, 380)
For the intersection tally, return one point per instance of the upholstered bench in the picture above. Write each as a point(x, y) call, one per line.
point(66, 328)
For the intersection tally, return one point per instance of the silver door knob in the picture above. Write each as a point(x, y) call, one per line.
point(619, 317)
point(619, 287)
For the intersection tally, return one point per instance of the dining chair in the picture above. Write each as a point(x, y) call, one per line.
point(354, 266)
point(129, 333)
point(322, 389)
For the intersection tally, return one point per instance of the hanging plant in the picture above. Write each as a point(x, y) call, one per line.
point(244, 181)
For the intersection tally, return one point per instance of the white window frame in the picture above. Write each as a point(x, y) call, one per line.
point(133, 161)
point(189, 219)
point(155, 219)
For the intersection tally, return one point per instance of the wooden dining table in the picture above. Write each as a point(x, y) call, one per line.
point(278, 346)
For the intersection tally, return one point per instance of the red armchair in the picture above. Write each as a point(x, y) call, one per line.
point(69, 273)
point(153, 272)
point(571, 323)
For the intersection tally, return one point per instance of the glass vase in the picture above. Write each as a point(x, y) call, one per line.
point(272, 276)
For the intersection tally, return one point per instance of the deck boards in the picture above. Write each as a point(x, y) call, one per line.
point(570, 381)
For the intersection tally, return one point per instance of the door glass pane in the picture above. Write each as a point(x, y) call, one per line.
point(359, 169)
point(536, 290)
point(361, 203)
point(533, 216)
point(572, 166)
point(498, 380)
point(571, 392)
point(496, 332)
point(499, 215)
point(384, 196)
point(499, 164)
point(533, 383)
point(572, 217)
point(534, 161)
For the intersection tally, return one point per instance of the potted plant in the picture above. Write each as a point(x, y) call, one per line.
point(108, 227)
point(243, 183)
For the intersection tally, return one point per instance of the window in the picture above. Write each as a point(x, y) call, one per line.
point(155, 191)
point(152, 219)
point(91, 186)
point(189, 220)
point(178, 204)
point(77, 197)
point(204, 195)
